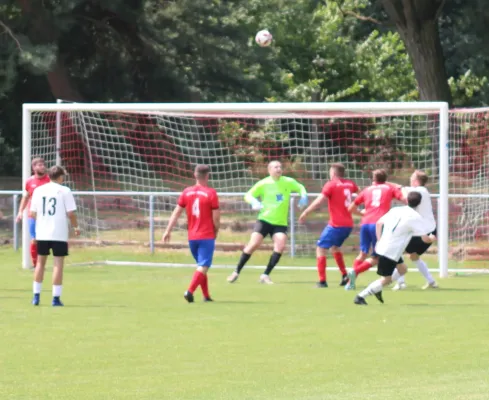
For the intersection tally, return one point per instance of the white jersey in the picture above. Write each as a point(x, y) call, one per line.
point(51, 203)
point(425, 208)
point(400, 225)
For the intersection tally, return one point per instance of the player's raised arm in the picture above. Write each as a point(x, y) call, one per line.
point(171, 224)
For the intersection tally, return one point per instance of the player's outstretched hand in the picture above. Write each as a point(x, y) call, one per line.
point(302, 217)
point(303, 201)
point(166, 237)
point(18, 218)
point(77, 231)
point(256, 205)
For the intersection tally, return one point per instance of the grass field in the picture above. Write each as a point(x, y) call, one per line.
point(127, 333)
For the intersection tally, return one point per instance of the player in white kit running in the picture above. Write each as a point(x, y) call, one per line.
point(394, 231)
point(416, 246)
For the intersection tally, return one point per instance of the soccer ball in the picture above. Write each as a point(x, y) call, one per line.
point(263, 38)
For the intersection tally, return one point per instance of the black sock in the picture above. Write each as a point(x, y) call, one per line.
point(274, 259)
point(242, 261)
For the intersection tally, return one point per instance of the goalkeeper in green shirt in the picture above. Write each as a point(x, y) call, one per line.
point(274, 194)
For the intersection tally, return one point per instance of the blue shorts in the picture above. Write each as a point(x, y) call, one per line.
point(202, 251)
point(368, 239)
point(333, 237)
point(32, 227)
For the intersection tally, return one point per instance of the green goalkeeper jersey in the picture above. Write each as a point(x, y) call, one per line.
point(275, 198)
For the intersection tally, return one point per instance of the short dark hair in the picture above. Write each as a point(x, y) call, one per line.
point(36, 160)
point(55, 172)
point(201, 171)
point(380, 176)
point(414, 199)
point(339, 169)
point(421, 176)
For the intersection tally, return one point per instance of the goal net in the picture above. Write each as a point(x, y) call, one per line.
point(469, 183)
point(149, 151)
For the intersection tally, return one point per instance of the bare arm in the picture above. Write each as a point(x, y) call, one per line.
point(74, 222)
point(23, 204)
point(171, 224)
point(378, 228)
point(354, 209)
point(315, 204)
point(216, 218)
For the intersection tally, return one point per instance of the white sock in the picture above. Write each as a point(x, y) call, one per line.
point(36, 287)
point(57, 290)
point(395, 275)
point(423, 268)
point(374, 287)
point(401, 279)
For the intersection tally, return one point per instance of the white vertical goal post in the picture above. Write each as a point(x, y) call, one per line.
point(364, 136)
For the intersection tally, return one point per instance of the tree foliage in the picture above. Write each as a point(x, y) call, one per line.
point(203, 50)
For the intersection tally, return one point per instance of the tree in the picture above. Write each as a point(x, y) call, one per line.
point(417, 24)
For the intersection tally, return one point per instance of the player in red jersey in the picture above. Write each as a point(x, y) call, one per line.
point(377, 199)
point(38, 179)
point(202, 206)
point(338, 191)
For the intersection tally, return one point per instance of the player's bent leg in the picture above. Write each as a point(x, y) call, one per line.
point(365, 266)
point(385, 269)
point(359, 259)
point(279, 242)
point(205, 283)
point(321, 267)
point(254, 243)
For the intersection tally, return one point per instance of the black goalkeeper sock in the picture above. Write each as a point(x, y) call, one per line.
point(274, 259)
point(242, 261)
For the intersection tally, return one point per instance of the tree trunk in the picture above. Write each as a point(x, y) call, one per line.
point(417, 24)
point(42, 30)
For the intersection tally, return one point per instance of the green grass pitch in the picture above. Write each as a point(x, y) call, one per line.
point(127, 333)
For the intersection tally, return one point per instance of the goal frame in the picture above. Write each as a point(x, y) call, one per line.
point(441, 108)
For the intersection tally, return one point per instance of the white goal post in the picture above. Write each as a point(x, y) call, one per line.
point(317, 127)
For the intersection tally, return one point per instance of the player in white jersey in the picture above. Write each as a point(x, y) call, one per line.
point(416, 246)
point(394, 231)
point(52, 206)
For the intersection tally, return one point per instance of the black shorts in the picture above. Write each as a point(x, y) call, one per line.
point(264, 228)
point(387, 266)
point(416, 245)
point(60, 249)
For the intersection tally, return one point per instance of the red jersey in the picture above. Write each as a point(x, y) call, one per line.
point(32, 183)
point(199, 201)
point(377, 199)
point(338, 192)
